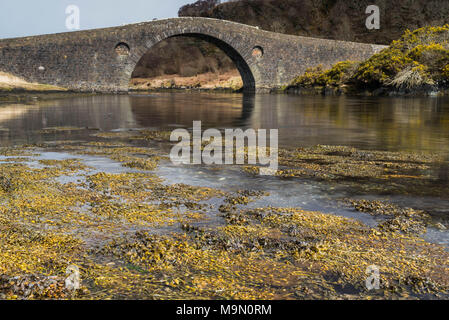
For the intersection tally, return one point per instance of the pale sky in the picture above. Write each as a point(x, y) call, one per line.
point(19, 18)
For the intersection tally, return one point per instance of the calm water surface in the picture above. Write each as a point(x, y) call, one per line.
point(418, 125)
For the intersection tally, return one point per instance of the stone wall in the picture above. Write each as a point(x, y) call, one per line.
point(104, 59)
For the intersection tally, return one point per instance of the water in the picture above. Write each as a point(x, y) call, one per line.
point(408, 124)
point(413, 124)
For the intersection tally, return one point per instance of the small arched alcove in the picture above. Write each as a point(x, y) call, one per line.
point(122, 49)
point(160, 59)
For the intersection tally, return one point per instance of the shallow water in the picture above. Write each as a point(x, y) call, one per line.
point(418, 125)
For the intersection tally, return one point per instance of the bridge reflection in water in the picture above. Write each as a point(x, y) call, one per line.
point(370, 123)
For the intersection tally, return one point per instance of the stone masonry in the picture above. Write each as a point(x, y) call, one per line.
point(103, 59)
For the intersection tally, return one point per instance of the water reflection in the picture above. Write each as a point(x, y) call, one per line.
point(420, 124)
point(372, 123)
point(180, 109)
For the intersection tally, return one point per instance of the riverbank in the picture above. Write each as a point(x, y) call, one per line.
point(230, 80)
point(12, 84)
point(135, 235)
point(415, 65)
point(16, 89)
point(24, 96)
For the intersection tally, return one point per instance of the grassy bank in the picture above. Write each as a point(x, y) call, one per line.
point(13, 84)
point(230, 80)
point(417, 63)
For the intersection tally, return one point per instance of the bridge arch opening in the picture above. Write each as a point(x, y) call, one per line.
point(196, 58)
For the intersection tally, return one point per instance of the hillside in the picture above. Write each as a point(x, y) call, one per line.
point(333, 19)
point(183, 56)
point(185, 62)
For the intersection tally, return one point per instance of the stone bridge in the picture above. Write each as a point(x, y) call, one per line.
point(104, 59)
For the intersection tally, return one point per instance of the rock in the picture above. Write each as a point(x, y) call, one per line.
point(440, 226)
point(72, 282)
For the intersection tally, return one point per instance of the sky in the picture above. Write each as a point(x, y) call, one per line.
point(19, 18)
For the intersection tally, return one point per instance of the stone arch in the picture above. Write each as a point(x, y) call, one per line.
point(249, 82)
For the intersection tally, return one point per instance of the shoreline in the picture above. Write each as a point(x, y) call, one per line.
point(24, 95)
point(379, 92)
point(134, 234)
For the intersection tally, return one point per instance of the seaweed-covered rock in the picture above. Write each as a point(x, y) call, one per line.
point(35, 286)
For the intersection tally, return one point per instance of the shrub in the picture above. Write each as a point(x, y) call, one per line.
point(417, 58)
point(382, 67)
point(310, 77)
point(445, 71)
point(433, 55)
point(411, 39)
point(337, 75)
